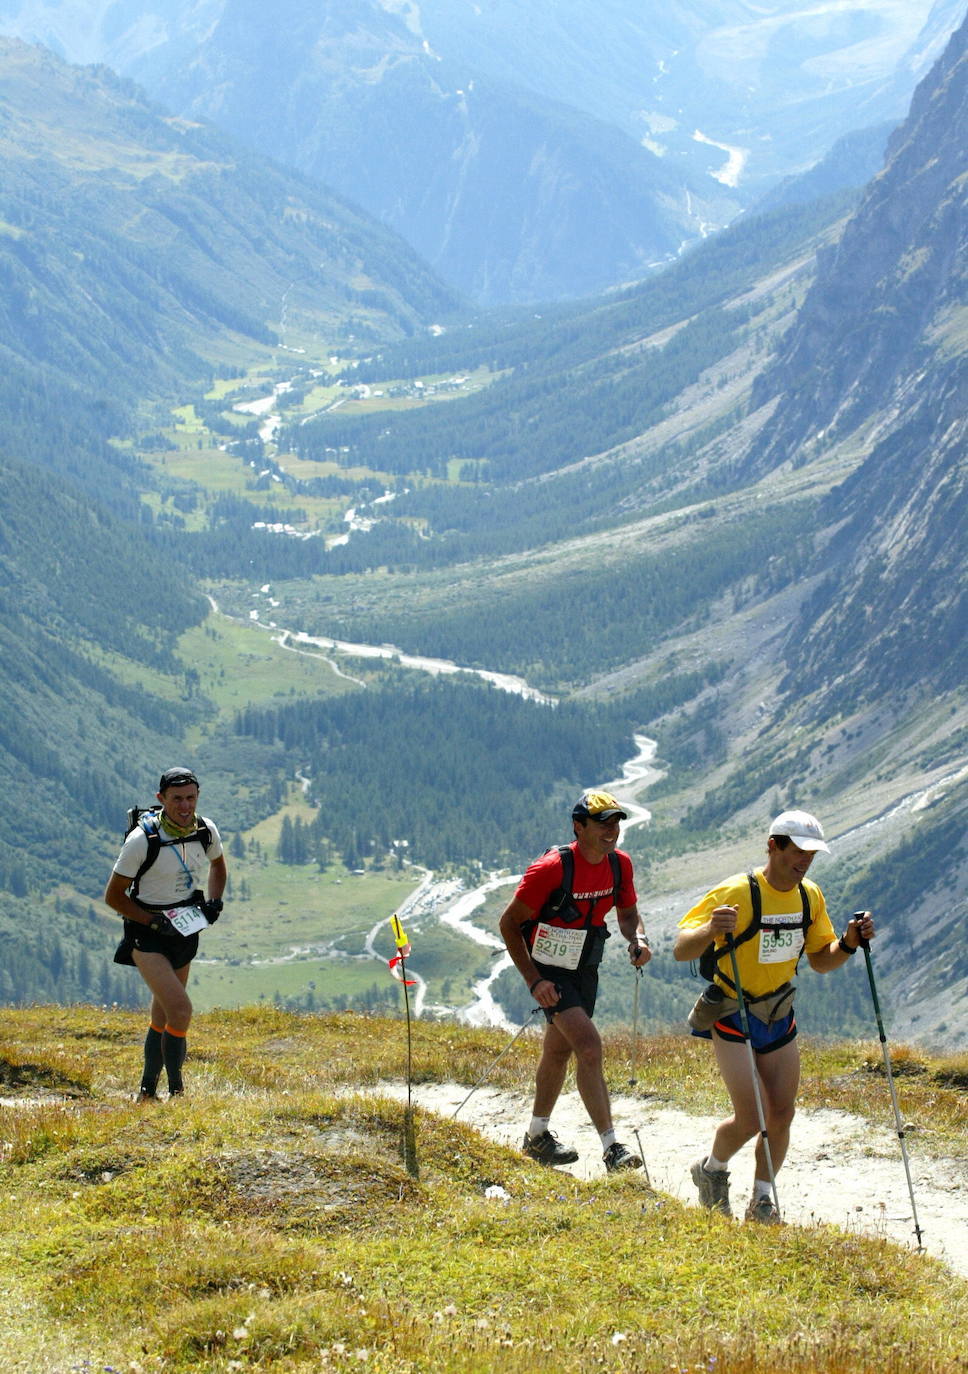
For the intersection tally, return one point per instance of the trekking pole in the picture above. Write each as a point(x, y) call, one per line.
point(744, 1017)
point(866, 947)
point(490, 1066)
point(635, 1026)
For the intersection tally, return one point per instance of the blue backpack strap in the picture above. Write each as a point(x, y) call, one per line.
point(148, 821)
point(149, 824)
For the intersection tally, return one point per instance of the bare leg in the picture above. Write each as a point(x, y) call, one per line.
point(170, 1003)
point(170, 998)
point(552, 1067)
point(779, 1077)
point(573, 1032)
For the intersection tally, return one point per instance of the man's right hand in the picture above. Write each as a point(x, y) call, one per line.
point(211, 909)
point(545, 993)
point(723, 920)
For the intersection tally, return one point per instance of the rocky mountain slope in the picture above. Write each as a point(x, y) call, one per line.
point(527, 151)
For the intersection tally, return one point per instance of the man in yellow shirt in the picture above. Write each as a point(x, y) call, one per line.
point(771, 916)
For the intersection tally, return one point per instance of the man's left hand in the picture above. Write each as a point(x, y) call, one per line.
point(863, 925)
point(639, 954)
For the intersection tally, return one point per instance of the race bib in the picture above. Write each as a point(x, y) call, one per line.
point(186, 919)
point(558, 946)
point(780, 946)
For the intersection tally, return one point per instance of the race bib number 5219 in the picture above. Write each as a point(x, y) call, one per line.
point(558, 946)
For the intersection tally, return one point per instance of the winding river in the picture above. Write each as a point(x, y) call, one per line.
point(445, 901)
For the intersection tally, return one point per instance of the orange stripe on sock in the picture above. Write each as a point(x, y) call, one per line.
point(159, 1029)
point(170, 1030)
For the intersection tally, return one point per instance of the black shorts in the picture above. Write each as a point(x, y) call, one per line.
point(576, 988)
point(179, 950)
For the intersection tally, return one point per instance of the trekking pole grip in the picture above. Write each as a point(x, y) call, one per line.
point(858, 916)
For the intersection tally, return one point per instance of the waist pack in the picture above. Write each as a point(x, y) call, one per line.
point(713, 1005)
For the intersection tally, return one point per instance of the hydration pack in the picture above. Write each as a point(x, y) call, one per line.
point(711, 957)
point(562, 909)
point(148, 819)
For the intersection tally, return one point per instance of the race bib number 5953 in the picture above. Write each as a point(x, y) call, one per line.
point(778, 946)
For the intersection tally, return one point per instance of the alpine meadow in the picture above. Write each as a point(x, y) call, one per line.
point(406, 423)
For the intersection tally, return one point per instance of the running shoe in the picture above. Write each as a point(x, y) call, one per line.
point(546, 1148)
point(617, 1157)
point(762, 1209)
point(713, 1185)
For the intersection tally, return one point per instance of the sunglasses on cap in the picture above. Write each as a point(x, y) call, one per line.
point(177, 777)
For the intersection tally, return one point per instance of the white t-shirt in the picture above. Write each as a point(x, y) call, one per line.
point(179, 869)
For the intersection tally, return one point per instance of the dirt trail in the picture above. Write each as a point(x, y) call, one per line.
point(839, 1169)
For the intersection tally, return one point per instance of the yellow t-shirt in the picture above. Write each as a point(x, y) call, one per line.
point(768, 958)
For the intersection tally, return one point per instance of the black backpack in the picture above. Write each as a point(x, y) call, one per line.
point(709, 960)
point(561, 903)
point(147, 818)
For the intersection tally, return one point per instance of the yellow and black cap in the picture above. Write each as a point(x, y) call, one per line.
point(597, 806)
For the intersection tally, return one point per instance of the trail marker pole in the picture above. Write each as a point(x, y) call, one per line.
point(399, 962)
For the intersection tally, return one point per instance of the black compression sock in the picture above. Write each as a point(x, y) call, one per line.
point(173, 1045)
point(154, 1060)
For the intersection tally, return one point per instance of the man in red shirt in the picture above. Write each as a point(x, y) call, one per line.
point(555, 933)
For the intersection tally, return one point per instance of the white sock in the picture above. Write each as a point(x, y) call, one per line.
point(761, 1188)
point(608, 1139)
point(712, 1165)
point(539, 1124)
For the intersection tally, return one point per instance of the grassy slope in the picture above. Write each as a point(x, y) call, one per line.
point(268, 1222)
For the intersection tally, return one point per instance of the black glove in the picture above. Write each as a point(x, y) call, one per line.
point(211, 909)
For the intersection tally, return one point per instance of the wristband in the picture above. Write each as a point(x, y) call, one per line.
point(542, 979)
point(846, 947)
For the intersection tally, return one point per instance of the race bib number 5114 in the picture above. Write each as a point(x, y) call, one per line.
point(186, 919)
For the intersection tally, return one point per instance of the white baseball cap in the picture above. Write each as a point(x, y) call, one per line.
point(804, 830)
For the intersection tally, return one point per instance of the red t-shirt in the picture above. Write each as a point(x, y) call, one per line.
point(592, 883)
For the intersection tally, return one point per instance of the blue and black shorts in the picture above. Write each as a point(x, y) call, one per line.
point(764, 1036)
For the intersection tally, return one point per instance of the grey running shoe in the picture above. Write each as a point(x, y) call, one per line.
point(618, 1157)
point(547, 1149)
point(762, 1209)
point(713, 1187)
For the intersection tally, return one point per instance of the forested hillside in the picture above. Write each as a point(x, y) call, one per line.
point(138, 256)
point(143, 251)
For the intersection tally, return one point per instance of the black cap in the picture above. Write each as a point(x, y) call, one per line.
point(177, 777)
